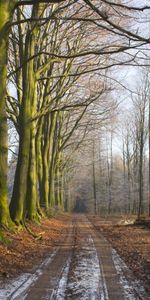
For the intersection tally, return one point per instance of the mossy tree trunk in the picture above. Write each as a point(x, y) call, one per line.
point(51, 188)
point(58, 164)
point(45, 181)
point(47, 151)
point(51, 158)
point(32, 200)
point(17, 206)
point(61, 193)
point(57, 188)
point(58, 179)
point(39, 161)
point(6, 14)
point(26, 166)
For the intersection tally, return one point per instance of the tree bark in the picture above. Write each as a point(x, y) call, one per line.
point(140, 208)
point(52, 153)
point(45, 179)
point(39, 162)
point(6, 14)
point(17, 206)
point(149, 156)
point(94, 179)
point(32, 191)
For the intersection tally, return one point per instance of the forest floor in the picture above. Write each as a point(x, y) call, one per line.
point(76, 260)
point(20, 252)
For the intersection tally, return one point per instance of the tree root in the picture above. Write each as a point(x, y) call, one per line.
point(34, 235)
point(11, 227)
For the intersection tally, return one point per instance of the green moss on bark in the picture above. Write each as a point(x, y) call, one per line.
point(6, 13)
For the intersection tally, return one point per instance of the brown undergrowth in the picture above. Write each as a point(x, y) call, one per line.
point(20, 252)
point(131, 241)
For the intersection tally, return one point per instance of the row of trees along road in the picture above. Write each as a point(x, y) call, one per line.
point(114, 171)
point(50, 53)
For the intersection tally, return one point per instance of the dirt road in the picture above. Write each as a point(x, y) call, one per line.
point(84, 267)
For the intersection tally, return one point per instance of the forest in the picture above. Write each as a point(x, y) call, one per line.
point(74, 149)
point(74, 108)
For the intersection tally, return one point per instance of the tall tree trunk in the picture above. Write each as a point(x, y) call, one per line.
point(51, 188)
point(52, 177)
point(58, 180)
point(61, 193)
point(45, 179)
point(20, 183)
point(18, 202)
point(110, 176)
point(149, 158)
point(33, 208)
point(94, 179)
point(52, 153)
point(57, 187)
point(128, 175)
point(66, 193)
point(39, 162)
point(140, 208)
point(32, 191)
point(135, 180)
point(124, 178)
point(6, 14)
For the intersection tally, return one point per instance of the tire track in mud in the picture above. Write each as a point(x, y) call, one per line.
point(41, 283)
point(96, 270)
point(104, 252)
point(44, 288)
point(116, 271)
point(92, 273)
point(85, 280)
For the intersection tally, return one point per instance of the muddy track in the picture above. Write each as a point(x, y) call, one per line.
point(84, 267)
point(134, 290)
point(119, 279)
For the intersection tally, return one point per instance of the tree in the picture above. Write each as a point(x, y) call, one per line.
point(5, 24)
point(34, 80)
point(140, 104)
